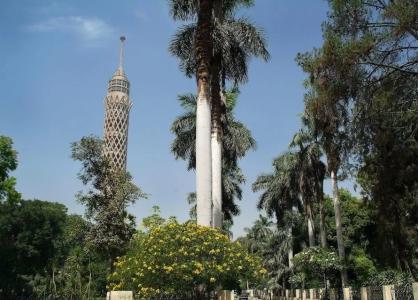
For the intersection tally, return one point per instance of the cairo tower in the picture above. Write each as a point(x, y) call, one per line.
point(117, 107)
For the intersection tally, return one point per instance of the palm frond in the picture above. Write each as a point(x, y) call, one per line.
point(250, 37)
point(182, 46)
point(183, 10)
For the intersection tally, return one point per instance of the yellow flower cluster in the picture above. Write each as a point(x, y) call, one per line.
point(180, 257)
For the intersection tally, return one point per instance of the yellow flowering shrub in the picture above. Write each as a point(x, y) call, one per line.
point(186, 260)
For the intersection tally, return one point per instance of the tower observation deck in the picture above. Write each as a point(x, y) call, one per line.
point(117, 107)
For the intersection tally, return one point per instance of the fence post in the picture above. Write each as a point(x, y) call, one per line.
point(219, 295)
point(415, 290)
point(346, 293)
point(332, 294)
point(297, 293)
point(387, 292)
point(287, 294)
point(303, 294)
point(120, 295)
point(311, 294)
point(363, 293)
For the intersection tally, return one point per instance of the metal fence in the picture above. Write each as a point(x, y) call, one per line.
point(403, 291)
point(355, 294)
point(375, 293)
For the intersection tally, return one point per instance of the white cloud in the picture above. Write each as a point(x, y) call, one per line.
point(91, 30)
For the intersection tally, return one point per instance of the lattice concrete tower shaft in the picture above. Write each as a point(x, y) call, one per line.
point(117, 107)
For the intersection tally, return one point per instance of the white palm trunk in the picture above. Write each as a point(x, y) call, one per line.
point(338, 225)
point(217, 178)
point(311, 229)
point(203, 158)
point(322, 216)
point(290, 250)
point(311, 233)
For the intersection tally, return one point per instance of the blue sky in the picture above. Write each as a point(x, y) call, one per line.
point(56, 59)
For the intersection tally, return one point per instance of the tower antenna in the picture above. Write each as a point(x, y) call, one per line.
point(122, 52)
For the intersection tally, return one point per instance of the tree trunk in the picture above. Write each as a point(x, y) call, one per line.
point(311, 229)
point(203, 49)
point(290, 250)
point(217, 179)
point(216, 137)
point(322, 230)
point(338, 225)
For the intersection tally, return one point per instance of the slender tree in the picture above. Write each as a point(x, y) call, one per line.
point(278, 257)
point(311, 174)
point(203, 48)
point(280, 193)
point(109, 193)
point(273, 244)
point(305, 182)
point(234, 40)
point(332, 84)
point(381, 38)
point(258, 234)
point(216, 136)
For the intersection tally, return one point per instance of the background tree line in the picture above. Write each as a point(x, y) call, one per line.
point(48, 253)
point(359, 123)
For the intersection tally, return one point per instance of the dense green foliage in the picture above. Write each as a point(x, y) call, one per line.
point(272, 241)
point(43, 249)
point(183, 260)
point(44, 252)
point(30, 233)
point(361, 118)
point(8, 163)
point(111, 191)
point(359, 123)
point(313, 264)
point(47, 253)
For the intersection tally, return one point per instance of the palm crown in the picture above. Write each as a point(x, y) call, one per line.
point(237, 39)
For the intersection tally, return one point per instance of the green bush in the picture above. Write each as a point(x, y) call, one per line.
point(387, 277)
point(185, 260)
point(361, 266)
point(314, 263)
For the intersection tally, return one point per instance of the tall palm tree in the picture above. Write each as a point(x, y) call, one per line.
point(280, 191)
point(235, 40)
point(272, 244)
point(258, 234)
point(216, 135)
point(202, 48)
point(276, 258)
point(332, 86)
point(236, 141)
point(311, 172)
